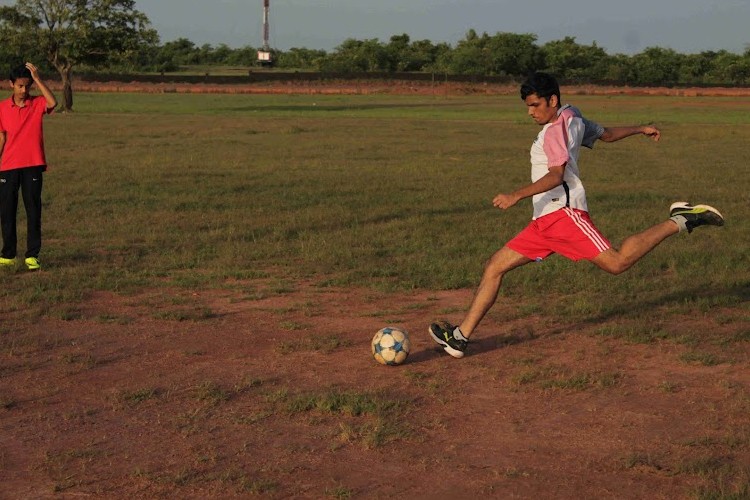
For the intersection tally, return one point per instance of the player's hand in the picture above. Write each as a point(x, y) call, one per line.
point(652, 132)
point(34, 71)
point(504, 201)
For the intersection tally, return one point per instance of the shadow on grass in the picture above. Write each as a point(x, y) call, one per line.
point(735, 295)
point(725, 296)
point(480, 346)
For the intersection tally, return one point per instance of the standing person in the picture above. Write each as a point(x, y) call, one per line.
point(23, 162)
point(561, 223)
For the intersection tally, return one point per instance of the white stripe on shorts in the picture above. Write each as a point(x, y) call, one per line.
point(588, 229)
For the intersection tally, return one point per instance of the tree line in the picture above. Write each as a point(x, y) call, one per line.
point(113, 36)
point(501, 54)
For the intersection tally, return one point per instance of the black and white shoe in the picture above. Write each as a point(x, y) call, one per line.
point(443, 334)
point(693, 216)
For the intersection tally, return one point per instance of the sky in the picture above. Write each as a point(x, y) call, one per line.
point(619, 27)
point(627, 27)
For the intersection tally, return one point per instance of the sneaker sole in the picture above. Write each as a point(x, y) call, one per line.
point(705, 208)
point(678, 204)
point(453, 352)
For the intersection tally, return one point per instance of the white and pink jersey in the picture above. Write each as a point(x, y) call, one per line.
point(559, 143)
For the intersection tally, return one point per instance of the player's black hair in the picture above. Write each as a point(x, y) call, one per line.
point(20, 71)
point(543, 85)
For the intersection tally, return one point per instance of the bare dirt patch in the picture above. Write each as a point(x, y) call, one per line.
point(178, 394)
point(395, 87)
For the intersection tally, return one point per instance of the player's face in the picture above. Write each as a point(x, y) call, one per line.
point(540, 110)
point(21, 88)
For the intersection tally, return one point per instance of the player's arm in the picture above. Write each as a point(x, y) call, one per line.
point(46, 92)
point(551, 180)
point(2, 143)
point(613, 134)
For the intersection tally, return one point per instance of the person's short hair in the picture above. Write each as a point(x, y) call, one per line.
point(543, 85)
point(20, 71)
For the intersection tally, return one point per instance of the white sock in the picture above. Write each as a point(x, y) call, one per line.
point(458, 335)
point(680, 221)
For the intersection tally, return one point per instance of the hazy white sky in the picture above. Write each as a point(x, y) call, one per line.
point(628, 27)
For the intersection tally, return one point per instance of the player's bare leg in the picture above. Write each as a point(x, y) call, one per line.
point(497, 266)
point(633, 248)
point(684, 217)
point(455, 339)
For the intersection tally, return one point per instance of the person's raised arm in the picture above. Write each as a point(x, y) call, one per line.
point(612, 134)
point(46, 92)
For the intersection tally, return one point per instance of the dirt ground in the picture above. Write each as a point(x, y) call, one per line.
point(390, 87)
point(201, 394)
point(185, 395)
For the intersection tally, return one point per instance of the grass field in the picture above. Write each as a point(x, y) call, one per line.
point(393, 192)
point(249, 195)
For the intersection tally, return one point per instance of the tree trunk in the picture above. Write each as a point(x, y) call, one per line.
point(67, 90)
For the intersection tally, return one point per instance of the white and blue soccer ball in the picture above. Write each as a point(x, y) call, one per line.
point(390, 346)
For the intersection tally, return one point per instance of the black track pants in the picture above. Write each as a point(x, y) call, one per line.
point(29, 181)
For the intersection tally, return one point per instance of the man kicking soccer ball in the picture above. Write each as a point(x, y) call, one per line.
point(561, 223)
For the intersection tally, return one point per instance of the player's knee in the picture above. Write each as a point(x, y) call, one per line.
point(494, 267)
point(490, 269)
point(612, 266)
point(617, 267)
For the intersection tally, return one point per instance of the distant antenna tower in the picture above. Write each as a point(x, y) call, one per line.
point(264, 54)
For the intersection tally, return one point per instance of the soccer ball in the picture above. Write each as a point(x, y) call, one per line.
point(390, 346)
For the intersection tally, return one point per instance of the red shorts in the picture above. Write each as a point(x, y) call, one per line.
point(567, 231)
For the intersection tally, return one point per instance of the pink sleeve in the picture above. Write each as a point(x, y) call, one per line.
point(556, 143)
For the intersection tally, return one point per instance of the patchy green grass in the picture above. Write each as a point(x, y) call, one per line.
point(323, 343)
point(303, 187)
point(374, 419)
point(264, 195)
point(564, 378)
point(134, 398)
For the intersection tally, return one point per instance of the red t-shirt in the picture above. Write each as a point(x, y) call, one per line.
point(24, 141)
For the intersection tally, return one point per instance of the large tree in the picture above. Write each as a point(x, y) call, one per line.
point(501, 54)
point(358, 56)
point(74, 32)
point(575, 63)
